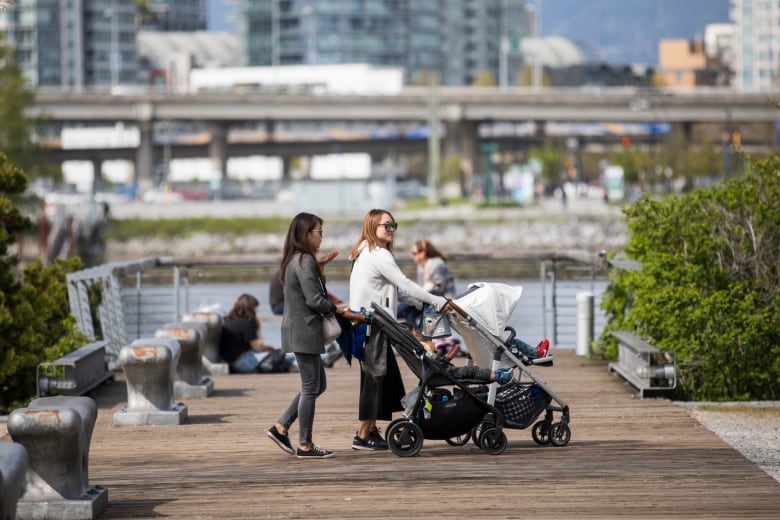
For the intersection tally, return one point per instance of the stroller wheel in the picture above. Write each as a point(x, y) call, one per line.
point(477, 430)
point(460, 440)
point(560, 434)
point(492, 442)
point(404, 438)
point(541, 433)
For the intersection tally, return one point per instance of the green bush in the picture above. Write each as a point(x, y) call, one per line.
point(35, 324)
point(709, 286)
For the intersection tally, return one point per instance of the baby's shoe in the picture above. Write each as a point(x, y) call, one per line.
point(504, 375)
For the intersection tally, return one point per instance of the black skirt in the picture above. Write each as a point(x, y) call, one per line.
point(379, 399)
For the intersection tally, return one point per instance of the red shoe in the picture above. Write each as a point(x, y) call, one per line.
point(542, 348)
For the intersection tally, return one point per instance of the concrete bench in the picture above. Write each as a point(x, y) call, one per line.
point(189, 372)
point(75, 373)
point(149, 365)
point(642, 365)
point(213, 364)
point(13, 468)
point(56, 433)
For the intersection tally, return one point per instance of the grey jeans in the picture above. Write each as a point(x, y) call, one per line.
point(313, 384)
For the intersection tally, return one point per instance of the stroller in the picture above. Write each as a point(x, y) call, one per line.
point(442, 406)
point(480, 316)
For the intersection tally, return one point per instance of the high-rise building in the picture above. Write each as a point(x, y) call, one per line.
point(76, 44)
point(455, 41)
point(174, 15)
point(756, 44)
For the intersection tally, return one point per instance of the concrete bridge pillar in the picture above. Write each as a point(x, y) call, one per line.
point(461, 139)
point(286, 164)
point(97, 175)
point(218, 151)
point(144, 160)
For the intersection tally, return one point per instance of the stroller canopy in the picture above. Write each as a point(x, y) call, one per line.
point(491, 304)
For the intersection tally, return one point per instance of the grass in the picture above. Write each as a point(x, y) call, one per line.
point(753, 411)
point(121, 230)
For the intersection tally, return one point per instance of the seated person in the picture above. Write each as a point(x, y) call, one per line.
point(241, 343)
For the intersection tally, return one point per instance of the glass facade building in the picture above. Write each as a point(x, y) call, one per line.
point(452, 40)
point(756, 44)
point(76, 44)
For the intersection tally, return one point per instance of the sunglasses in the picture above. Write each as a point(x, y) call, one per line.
point(389, 226)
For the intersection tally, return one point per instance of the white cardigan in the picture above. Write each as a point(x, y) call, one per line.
point(377, 278)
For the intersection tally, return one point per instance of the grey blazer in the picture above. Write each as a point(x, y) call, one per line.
point(304, 305)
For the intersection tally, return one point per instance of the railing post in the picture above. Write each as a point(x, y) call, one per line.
point(584, 322)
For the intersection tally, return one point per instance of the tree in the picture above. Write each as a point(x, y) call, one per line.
point(634, 162)
point(709, 286)
point(17, 130)
point(552, 158)
point(35, 325)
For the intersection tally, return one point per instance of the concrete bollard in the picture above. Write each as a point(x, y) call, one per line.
point(56, 432)
point(189, 374)
point(213, 364)
point(13, 468)
point(584, 322)
point(149, 365)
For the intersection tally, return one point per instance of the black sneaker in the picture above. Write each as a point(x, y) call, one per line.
point(283, 441)
point(373, 443)
point(376, 434)
point(314, 453)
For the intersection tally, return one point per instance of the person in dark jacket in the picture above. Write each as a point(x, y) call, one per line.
point(305, 304)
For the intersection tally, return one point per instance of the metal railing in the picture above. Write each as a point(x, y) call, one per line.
point(123, 301)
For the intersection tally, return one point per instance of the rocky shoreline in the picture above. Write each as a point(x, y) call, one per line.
point(487, 234)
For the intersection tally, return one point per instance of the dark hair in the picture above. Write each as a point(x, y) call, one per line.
point(245, 307)
point(297, 241)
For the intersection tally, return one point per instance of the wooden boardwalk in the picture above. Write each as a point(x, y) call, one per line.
point(628, 458)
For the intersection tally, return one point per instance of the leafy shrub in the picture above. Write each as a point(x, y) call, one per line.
point(35, 324)
point(709, 286)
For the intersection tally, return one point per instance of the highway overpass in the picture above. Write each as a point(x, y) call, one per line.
point(461, 110)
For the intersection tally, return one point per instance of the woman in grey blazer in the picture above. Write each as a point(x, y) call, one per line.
point(305, 304)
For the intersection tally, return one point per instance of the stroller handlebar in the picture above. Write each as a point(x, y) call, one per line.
point(452, 306)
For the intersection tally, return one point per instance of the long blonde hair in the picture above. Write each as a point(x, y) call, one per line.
point(371, 221)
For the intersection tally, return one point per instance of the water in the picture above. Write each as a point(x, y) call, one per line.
point(532, 319)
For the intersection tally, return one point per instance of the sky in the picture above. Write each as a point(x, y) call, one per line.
point(221, 16)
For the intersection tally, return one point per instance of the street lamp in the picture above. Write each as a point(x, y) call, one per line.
point(114, 57)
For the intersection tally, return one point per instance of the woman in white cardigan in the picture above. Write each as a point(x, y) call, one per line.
point(376, 278)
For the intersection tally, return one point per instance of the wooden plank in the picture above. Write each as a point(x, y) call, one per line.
point(627, 458)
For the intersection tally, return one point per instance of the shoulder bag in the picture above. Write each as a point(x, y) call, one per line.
point(330, 325)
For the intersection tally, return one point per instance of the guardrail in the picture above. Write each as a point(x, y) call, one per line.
point(121, 302)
